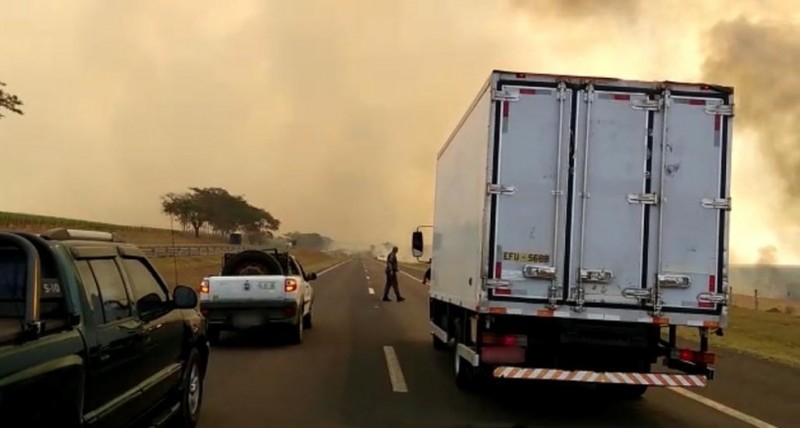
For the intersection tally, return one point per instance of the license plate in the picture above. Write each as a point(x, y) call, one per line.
point(247, 320)
point(266, 285)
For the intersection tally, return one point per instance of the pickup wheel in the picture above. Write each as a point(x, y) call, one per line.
point(296, 329)
point(191, 392)
point(307, 321)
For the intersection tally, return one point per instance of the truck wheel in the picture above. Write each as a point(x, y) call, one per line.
point(628, 392)
point(191, 392)
point(307, 322)
point(438, 344)
point(468, 378)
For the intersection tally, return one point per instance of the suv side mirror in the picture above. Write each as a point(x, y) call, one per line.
point(311, 276)
point(417, 244)
point(184, 297)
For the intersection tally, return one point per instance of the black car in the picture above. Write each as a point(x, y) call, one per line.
point(91, 336)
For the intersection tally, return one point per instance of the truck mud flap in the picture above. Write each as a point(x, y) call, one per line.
point(621, 378)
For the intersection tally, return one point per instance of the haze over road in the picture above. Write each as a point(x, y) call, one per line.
point(339, 377)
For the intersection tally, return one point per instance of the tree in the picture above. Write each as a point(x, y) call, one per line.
point(218, 209)
point(9, 102)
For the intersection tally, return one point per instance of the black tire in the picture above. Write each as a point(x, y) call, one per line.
point(213, 334)
point(438, 344)
point(296, 329)
point(191, 392)
point(257, 261)
point(468, 378)
point(308, 323)
point(627, 392)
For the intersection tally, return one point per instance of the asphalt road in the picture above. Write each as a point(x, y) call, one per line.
point(340, 377)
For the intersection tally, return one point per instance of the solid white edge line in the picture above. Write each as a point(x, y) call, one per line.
point(410, 276)
point(395, 372)
point(371, 290)
point(722, 408)
point(333, 267)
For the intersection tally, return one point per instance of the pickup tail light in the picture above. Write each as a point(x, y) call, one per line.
point(691, 356)
point(204, 286)
point(290, 285)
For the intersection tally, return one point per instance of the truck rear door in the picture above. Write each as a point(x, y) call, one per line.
point(528, 193)
point(650, 193)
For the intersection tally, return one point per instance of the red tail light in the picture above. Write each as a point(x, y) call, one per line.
point(290, 285)
point(696, 357)
point(504, 339)
point(204, 286)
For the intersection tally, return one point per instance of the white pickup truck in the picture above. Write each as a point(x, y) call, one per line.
point(258, 289)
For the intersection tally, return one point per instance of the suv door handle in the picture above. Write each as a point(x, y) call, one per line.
point(153, 328)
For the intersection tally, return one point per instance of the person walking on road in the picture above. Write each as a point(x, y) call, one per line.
point(427, 277)
point(391, 277)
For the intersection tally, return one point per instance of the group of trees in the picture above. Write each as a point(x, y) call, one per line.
point(9, 101)
point(309, 241)
point(218, 209)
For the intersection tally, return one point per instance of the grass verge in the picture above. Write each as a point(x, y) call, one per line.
point(771, 335)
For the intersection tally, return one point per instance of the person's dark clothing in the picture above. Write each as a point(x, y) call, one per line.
point(391, 278)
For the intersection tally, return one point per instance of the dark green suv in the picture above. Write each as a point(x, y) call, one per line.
point(91, 336)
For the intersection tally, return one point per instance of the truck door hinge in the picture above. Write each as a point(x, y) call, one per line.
point(539, 272)
point(504, 96)
point(500, 189)
point(673, 281)
point(716, 203)
point(647, 104)
point(597, 276)
point(643, 198)
point(720, 109)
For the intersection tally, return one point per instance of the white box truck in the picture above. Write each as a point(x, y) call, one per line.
point(578, 222)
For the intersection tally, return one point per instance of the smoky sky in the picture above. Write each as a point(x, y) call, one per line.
point(327, 113)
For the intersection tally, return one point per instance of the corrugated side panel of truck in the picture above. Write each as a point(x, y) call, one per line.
point(610, 200)
point(459, 205)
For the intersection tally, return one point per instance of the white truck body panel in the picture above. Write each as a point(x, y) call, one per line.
point(550, 200)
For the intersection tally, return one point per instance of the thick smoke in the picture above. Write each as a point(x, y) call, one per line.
point(329, 114)
point(761, 60)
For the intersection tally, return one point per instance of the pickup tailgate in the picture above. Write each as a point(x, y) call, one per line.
point(611, 196)
point(245, 288)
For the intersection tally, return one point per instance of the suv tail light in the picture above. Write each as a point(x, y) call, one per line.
point(204, 286)
point(290, 285)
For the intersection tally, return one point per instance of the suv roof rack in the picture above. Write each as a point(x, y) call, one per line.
point(64, 234)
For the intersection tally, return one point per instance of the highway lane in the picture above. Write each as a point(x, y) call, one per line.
point(339, 376)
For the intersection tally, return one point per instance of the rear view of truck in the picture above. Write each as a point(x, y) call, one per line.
point(578, 223)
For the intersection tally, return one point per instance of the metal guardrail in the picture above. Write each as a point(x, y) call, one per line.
point(163, 251)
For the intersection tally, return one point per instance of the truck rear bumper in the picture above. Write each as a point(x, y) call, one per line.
point(244, 315)
point(619, 378)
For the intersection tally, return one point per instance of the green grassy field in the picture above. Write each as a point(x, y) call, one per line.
point(134, 234)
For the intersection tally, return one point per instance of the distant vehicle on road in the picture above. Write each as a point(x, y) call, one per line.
point(381, 258)
point(90, 335)
point(258, 288)
point(576, 219)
